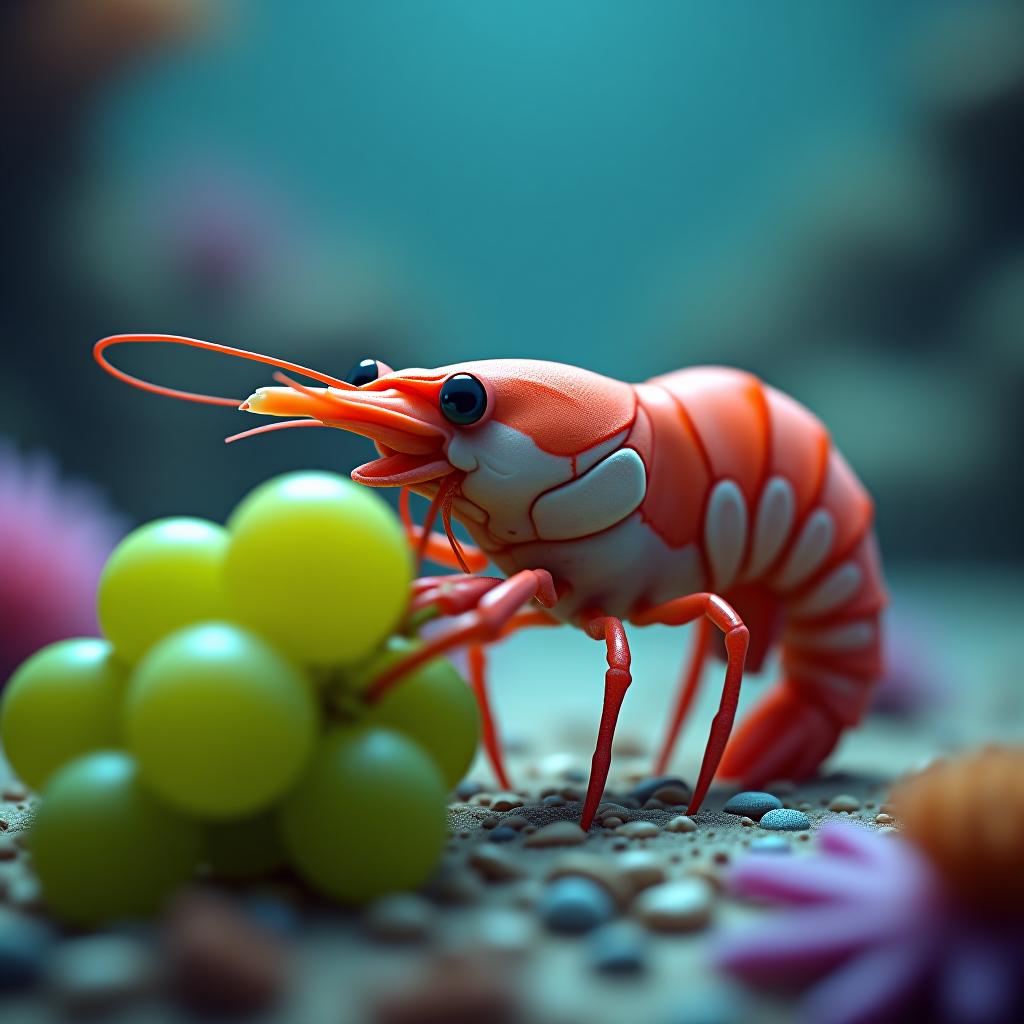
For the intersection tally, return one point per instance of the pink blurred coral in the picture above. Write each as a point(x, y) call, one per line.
point(56, 537)
point(874, 935)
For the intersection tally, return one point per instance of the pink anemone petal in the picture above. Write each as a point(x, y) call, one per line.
point(801, 944)
point(801, 881)
point(874, 986)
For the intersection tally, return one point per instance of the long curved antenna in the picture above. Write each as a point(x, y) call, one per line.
point(99, 354)
point(268, 427)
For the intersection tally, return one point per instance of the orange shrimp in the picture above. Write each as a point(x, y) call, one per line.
point(703, 495)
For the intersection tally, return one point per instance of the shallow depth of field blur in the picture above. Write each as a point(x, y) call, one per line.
point(827, 194)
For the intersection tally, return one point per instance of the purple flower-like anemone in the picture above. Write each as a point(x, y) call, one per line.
point(874, 934)
point(55, 538)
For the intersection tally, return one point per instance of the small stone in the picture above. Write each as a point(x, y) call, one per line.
point(785, 819)
point(15, 794)
point(637, 830)
point(610, 807)
point(887, 809)
point(884, 819)
point(781, 787)
point(770, 844)
point(558, 833)
point(578, 863)
point(99, 973)
point(505, 932)
point(528, 830)
point(553, 800)
point(628, 746)
point(220, 961)
point(573, 905)
point(453, 886)
point(493, 864)
point(9, 850)
point(503, 834)
point(637, 870)
point(676, 906)
point(24, 945)
point(516, 821)
point(747, 822)
point(708, 874)
point(654, 805)
point(617, 949)
point(672, 795)
point(526, 894)
point(844, 802)
point(611, 821)
point(482, 799)
point(752, 804)
point(681, 823)
point(467, 789)
point(490, 821)
point(571, 793)
point(888, 830)
point(506, 802)
point(650, 787)
point(402, 917)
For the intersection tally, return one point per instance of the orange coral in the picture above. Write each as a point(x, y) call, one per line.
point(967, 815)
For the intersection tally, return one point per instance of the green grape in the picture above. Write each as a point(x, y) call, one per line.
point(432, 705)
point(162, 576)
point(221, 723)
point(103, 847)
point(368, 817)
point(319, 565)
point(62, 702)
point(243, 850)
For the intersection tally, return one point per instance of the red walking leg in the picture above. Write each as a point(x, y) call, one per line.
point(616, 682)
point(687, 692)
point(677, 613)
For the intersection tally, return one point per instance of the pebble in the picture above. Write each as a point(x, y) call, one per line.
point(781, 787)
point(676, 906)
point(770, 844)
point(747, 822)
point(637, 870)
point(99, 972)
point(24, 945)
point(844, 802)
point(643, 791)
point(884, 819)
point(672, 795)
point(15, 794)
point(482, 799)
point(681, 823)
point(402, 917)
point(637, 830)
point(888, 830)
point(503, 834)
point(9, 850)
point(516, 821)
point(489, 821)
point(553, 800)
point(752, 804)
point(558, 833)
point(573, 905)
point(505, 932)
point(467, 789)
point(506, 802)
point(494, 864)
point(611, 821)
point(220, 961)
point(618, 949)
point(785, 819)
point(453, 886)
point(584, 865)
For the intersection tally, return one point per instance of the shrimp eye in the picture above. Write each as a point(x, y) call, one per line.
point(463, 399)
point(364, 372)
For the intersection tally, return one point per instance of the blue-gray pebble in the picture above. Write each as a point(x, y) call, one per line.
point(619, 948)
point(786, 819)
point(502, 834)
point(573, 905)
point(752, 804)
point(646, 789)
point(770, 844)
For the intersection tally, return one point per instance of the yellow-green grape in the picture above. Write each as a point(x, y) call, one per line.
point(368, 817)
point(243, 850)
point(318, 564)
point(162, 576)
point(103, 847)
point(221, 723)
point(432, 705)
point(62, 702)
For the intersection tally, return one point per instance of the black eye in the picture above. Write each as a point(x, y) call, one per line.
point(364, 372)
point(463, 399)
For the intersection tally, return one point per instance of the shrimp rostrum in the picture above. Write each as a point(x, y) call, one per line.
point(700, 496)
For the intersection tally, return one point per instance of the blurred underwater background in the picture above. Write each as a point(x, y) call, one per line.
point(828, 195)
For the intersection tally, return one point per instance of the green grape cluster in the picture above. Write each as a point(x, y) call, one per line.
point(222, 722)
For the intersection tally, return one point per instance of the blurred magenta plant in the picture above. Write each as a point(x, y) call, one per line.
point(56, 537)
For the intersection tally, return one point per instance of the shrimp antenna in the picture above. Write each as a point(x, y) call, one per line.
point(268, 427)
point(99, 354)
